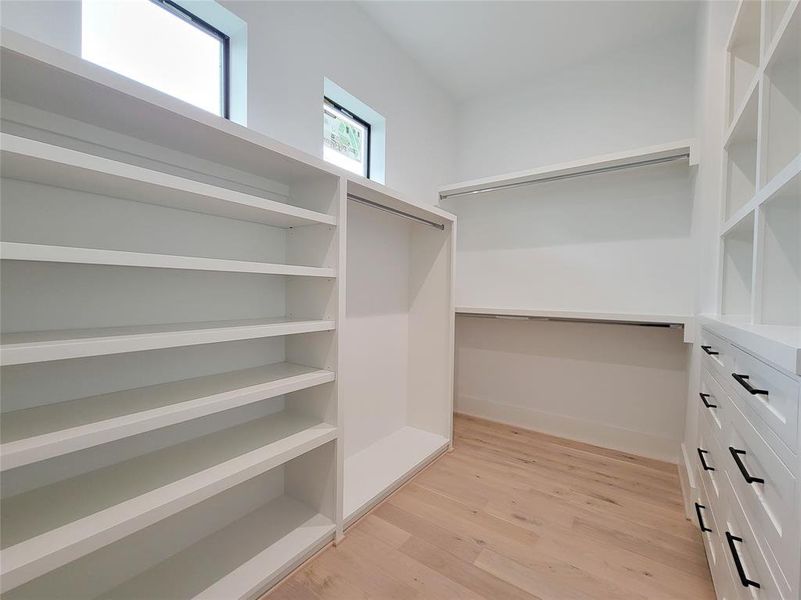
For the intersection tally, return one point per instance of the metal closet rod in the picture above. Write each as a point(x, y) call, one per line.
point(506, 186)
point(394, 211)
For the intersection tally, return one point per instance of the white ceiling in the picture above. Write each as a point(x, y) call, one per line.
point(476, 47)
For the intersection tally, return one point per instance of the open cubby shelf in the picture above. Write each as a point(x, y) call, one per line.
point(760, 265)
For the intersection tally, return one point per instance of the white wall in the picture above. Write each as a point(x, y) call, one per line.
point(636, 97)
point(293, 46)
point(620, 243)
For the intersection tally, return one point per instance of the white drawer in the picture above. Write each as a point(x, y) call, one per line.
point(715, 403)
point(716, 353)
point(710, 460)
point(707, 525)
point(769, 393)
point(768, 494)
point(750, 573)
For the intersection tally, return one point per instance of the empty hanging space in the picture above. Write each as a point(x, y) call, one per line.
point(737, 269)
point(397, 356)
point(743, 54)
point(230, 545)
point(782, 99)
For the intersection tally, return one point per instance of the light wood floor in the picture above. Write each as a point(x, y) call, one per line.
point(513, 514)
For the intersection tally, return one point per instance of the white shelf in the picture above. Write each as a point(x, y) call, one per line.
point(743, 53)
point(40, 346)
point(238, 561)
point(53, 525)
point(780, 344)
point(43, 432)
point(374, 472)
point(565, 315)
point(383, 196)
point(39, 162)
point(95, 256)
point(606, 161)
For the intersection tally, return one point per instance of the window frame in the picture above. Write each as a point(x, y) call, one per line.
point(360, 121)
point(204, 26)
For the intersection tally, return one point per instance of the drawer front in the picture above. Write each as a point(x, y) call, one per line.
point(768, 494)
point(768, 393)
point(716, 353)
point(745, 560)
point(710, 460)
point(715, 403)
point(708, 526)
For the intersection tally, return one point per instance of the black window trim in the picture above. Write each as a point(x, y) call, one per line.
point(180, 11)
point(360, 121)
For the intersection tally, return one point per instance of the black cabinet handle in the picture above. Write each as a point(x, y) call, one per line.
point(738, 563)
point(703, 462)
point(735, 454)
point(706, 403)
point(708, 350)
point(698, 508)
point(743, 381)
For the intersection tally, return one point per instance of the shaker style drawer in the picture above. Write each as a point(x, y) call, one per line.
point(715, 403)
point(716, 353)
point(770, 394)
point(710, 461)
point(768, 494)
point(749, 569)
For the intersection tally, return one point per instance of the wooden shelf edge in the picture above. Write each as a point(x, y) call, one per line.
point(38, 555)
point(121, 258)
point(60, 348)
point(738, 115)
point(49, 445)
point(41, 155)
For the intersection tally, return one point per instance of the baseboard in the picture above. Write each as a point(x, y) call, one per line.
point(591, 432)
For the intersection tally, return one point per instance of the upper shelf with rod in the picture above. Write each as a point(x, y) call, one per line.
point(680, 150)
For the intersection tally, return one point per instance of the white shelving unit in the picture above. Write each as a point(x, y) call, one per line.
point(760, 266)
point(174, 338)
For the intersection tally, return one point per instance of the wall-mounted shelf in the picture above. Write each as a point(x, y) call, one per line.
point(43, 432)
point(119, 258)
point(38, 346)
point(103, 506)
point(31, 160)
point(743, 46)
point(684, 321)
point(684, 149)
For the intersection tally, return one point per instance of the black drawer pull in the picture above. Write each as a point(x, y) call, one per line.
point(743, 381)
point(703, 527)
point(738, 563)
point(707, 403)
point(708, 350)
point(703, 462)
point(735, 454)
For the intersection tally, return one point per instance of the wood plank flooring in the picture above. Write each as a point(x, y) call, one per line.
point(514, 514)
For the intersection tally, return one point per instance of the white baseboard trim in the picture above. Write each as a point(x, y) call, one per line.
point(590, 432)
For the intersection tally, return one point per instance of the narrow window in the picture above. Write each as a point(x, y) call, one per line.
point(346, 139)
point(162, 45)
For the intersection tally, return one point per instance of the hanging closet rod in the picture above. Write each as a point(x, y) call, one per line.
point(506, 186)
point(394, 211)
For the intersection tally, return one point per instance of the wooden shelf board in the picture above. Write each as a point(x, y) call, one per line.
point(121, 258)
point(40, 346)
point(780, 344)
point(36, 434)
point(375, 471)
point(574, 167)
point(30, 160)
point(237, 562)
point(787, 35)
point(103, 506)
point(383, 196)
point(747, 110)
point(565, 315)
